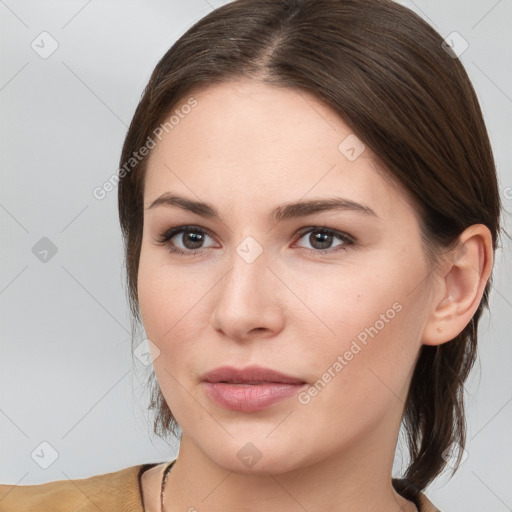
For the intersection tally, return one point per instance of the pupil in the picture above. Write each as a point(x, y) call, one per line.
point(323, 239)
point(195, 240)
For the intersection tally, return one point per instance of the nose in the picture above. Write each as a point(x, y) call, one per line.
point(248, 300)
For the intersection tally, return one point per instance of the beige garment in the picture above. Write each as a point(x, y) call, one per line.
point(119, 491)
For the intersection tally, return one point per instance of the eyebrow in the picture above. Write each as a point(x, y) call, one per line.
point(283, 212)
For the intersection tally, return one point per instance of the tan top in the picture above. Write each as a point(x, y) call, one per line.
point(120, 491)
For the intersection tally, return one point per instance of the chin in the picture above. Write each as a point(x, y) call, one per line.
point(257, 459)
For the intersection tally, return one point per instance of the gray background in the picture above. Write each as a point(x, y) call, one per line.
point(66, 372)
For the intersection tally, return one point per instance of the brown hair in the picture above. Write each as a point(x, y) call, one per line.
point(385, 72)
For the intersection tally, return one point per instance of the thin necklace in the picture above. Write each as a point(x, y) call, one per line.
point(164, 479)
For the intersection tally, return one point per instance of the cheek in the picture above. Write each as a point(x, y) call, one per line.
point(370, 325)
point(155, 293)
point(361, 374)
point(163, 294)
point(349, 302)
point(167, 307)
point(172, 306)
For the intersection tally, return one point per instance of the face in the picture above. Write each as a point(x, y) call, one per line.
point(332, 297)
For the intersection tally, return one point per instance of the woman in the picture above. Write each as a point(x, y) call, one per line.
point(310, 210)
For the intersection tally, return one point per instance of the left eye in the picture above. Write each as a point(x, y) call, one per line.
point(322, 238)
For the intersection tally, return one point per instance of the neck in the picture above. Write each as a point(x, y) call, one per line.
point(352, 480)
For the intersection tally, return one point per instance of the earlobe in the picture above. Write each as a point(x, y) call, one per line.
point(462, 276)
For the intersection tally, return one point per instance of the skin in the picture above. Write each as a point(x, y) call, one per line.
point(247, 148)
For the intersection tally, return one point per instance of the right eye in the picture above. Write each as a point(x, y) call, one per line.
point(190, 237)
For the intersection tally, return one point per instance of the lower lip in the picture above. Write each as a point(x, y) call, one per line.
point(250, 397)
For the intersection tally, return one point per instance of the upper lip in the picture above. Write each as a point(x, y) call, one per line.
point(249, 374)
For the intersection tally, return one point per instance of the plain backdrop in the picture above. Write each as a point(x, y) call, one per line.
point(72, 402)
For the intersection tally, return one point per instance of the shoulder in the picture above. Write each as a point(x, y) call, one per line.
point(117, 491)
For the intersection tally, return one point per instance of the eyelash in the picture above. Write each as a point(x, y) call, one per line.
point(347, 239)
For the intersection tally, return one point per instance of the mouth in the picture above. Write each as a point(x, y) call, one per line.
point(250, 389)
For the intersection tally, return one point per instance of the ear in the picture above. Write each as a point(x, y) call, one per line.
point(461, 279)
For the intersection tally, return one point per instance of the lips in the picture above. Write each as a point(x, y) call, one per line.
point(249, 389)
point(250, 375)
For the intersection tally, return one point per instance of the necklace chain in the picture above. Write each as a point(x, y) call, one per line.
point(164, 480)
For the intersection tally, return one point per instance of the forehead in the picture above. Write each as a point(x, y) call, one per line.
point(260, 145)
